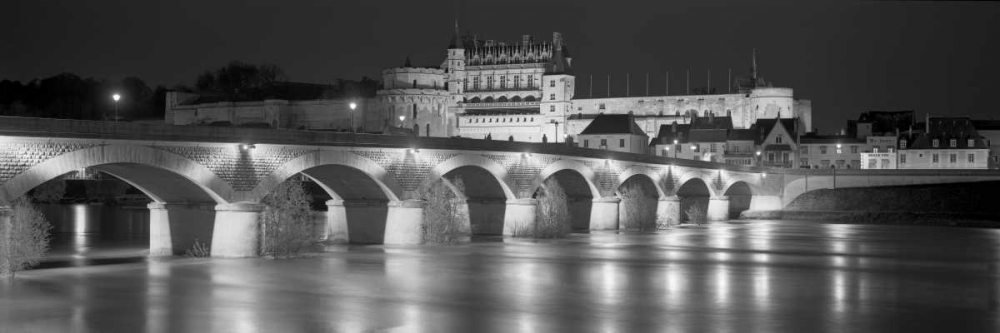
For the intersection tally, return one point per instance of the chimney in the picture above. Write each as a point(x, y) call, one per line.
point(927, 123)
point(557, 41)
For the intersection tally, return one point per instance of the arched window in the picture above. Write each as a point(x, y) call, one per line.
point(414, 112)
point(529, 98)
point(488, 99)
point(416, 129)
point(476, 100)
point(427, 129)
point(502, 99)
point(414, 83)
point(515, 99)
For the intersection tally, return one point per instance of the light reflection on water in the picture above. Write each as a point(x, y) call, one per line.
point(791, 277)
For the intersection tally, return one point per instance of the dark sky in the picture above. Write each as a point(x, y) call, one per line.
point(940, 58)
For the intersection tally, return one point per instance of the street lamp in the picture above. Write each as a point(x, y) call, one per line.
point(353, 106)
point(116, 97)
point(675, 148)
point(758, 158)
point(401, 121)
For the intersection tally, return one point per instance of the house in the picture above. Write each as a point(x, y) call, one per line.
point(741, 147)
point(831, 151)
point(671, 140)
point(947, 143)
point(776, 142)
point(614, 132)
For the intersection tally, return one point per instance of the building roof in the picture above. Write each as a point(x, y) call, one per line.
point(828, 139)
point(669, 133)
point(944, 129)
point(741, 135)
point(888, 121)
point(558, 64)
point(613, 124)
point(456, 38)
point(764, 126)
point(712, 122)
point(711, 135)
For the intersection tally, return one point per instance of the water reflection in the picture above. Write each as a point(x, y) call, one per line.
point(677, 282)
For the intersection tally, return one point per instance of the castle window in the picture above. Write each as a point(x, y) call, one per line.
point(517, 81)
point(552, 83)
point(552, 108)
point(465, 84)
point(503, 81)
point(621, 143)
point(475, 83)
point(414, 112)
point(935, 143)
point(414, 83)
point(552, 97)
point(953, 143)
point(531, 81)
point(489, 82)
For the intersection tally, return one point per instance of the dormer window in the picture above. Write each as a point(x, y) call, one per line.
point(902, 144)
point(972, 143)
point(953, 143)
point(777, 139)
point(935, 143)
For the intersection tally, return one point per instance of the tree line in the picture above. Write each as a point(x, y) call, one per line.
point(70, 96)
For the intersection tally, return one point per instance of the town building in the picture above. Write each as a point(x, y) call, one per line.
point(777, 142)
point(831, 151)
point(946, 143)
point(615, 132)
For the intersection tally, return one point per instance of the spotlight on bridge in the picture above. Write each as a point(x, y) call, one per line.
point(763, 175)
point(526, 155)
point(247, 146)
point(414, 151)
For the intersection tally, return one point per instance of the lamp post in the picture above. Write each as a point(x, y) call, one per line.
point(353, 106)
point(401, 121)
point(758, 158)
point(116, 97)
point(675, 148)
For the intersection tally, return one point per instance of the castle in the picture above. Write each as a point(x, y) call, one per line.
point(524, 91)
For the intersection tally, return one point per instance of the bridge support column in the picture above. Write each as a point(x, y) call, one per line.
point(668, 212)
point(718, 208)
point(174, 227)
point(765, 202)
point(404, 223)
point(5, 226)
point(604, 213)
point(237, 230)
point(519, 217)
point(336, 222)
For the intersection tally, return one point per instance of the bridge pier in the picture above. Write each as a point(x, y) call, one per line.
point(336, 222)
point(237, 231)
point(668, 211)
point(765, 202)
point(718, 208)
point(519, 217)
point(174, 227)
point(604, 213)
point(404, 223)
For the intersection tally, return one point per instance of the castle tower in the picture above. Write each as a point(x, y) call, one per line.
point(557, 92)
point(455, 77)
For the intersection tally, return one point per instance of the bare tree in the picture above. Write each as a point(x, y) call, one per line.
point(635, 208)
point(50, 191)
point(444, 220)
point(25, 236)
point(286, 225)
point(552, 213)
point(696, 213)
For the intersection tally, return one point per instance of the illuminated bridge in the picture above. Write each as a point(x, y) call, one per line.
point(207, 182)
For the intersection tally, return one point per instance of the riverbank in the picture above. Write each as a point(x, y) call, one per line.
point(954, 219)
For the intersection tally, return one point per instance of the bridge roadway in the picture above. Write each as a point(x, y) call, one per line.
point(207, 182)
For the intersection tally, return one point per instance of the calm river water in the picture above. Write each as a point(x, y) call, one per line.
point(757, 276)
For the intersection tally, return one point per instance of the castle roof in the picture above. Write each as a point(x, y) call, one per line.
point(711, 122)
point(456, 39)
point(613, 124)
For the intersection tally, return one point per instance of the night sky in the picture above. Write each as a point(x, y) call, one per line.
point(941, 58)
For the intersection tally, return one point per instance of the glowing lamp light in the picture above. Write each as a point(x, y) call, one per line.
point(758, 153)
point(401, 118)
point(415, 151)
point(353, 106)
point(675, 141)
point(247, 146)
point(763, 174)
point(116, 97)
point(838, 146)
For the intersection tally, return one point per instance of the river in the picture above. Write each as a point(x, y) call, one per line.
point(739, 276)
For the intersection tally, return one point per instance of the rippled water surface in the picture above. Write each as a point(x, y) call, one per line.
point(759, 276)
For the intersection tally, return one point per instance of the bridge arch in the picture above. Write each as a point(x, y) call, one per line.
point(703, 175)
point(740, 194)
point(487, 188)
point(578, 181)
point(639, 196)
point(693, 192)
point(164, 176)
point(652, 174)
point(360, 190)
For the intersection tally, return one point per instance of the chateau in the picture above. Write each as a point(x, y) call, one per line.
point(524, 91)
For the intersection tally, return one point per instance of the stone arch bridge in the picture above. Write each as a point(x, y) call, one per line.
point(207, 182)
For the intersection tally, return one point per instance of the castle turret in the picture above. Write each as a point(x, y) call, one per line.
point(557, 91)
